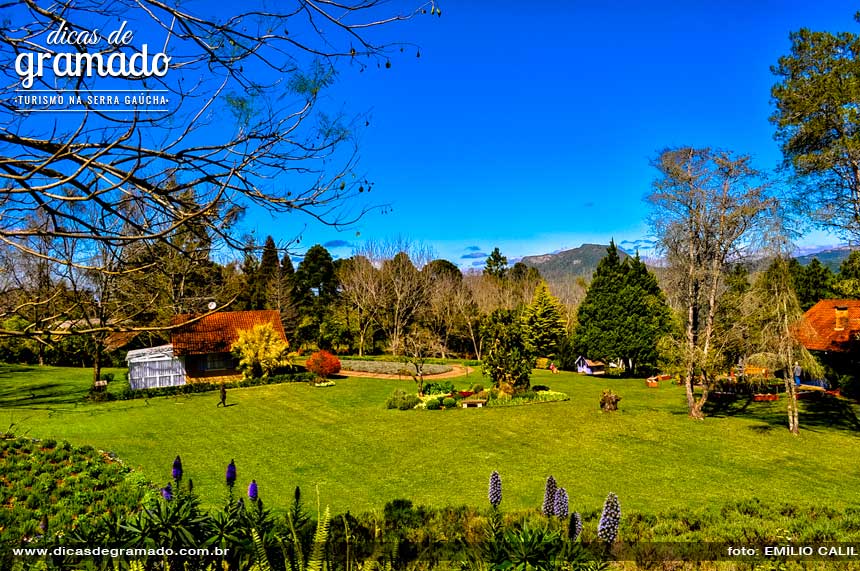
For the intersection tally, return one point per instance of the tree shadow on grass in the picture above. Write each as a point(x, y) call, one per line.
point(29, 387)
point(816, 414)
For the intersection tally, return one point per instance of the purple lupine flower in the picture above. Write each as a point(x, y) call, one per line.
point(549, 497)
point(610, 519)
point(252, 490)
point(495, 492)
point(177, 469)
point(231, 473)
point(574, 527)
point(561, 508)
point(167, 492)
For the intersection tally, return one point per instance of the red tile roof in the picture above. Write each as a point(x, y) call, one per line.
point(818, 332)
point(216, 333)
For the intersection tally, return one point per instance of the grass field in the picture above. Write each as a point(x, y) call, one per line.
point(361, 455)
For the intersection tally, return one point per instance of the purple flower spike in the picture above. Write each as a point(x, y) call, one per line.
point(607, 530)
point(575, 526)
point(167, 492)
point(252, 490)
point(177, 469)
point(231, 473)
point(495, 492)
point(548, 507)
point(561, 504)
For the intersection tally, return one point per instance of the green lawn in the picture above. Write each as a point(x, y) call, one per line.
point(362, 455)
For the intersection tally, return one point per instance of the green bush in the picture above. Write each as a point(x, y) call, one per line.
point(537, 388)
point(108, 377)
point(402, 401)
point(476, 388)
point(433, 404)
point(449, 402)
point(438, 388)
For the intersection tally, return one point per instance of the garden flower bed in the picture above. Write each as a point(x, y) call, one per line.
point(389, 367)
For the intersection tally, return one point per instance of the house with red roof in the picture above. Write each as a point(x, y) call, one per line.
point(199, 349)
point(832, 326)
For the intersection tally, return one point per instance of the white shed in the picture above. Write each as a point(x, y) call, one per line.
point(155, 367)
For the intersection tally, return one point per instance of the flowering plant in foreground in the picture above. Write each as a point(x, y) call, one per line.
point(177, 469)
point(607, 529)
point(548, 507)
point(561, 507)
point(495, 492)
point(231, 473)
point(574, 528)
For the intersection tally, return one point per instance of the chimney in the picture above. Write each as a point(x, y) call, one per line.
point(841, 318)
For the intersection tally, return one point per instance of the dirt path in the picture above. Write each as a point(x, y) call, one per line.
point(456, 371)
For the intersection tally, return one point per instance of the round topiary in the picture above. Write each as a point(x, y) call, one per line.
point(449, 403)
point(433, 404)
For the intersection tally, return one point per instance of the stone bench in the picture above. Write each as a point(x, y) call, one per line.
point(473, 403)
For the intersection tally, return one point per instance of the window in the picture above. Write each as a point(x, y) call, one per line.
point(217, 361)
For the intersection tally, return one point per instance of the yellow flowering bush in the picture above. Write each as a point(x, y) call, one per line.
point(260, 351)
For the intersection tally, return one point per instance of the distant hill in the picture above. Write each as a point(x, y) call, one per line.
point(830, 258)
point(577, 262)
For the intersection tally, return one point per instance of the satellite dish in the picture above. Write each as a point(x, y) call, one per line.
point(212, 305)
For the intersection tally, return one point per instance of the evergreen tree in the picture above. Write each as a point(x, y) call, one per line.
point(268, 272)
point(507, 359)
point(543, 325)
point(645, 315)
point(624, 313)
point(811, 283)
point(599, 317)
point(314, 292)
point(497, 265)
point(847, 283)
point(522, 272)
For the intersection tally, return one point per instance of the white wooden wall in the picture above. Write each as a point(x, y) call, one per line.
point(157, 373)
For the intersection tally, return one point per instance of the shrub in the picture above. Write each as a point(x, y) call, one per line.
point(477, 387)
point(107, 377)
point(323, 364)
point(260, 351)
point(537, 388)
point(609, 400)
point(541, 363)
point(439, 388)
point(433, 404)
point(449, 403)
point(402, 401)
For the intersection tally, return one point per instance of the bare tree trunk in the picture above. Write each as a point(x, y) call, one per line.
point(97, 362)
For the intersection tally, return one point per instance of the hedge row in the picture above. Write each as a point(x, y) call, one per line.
point(129, 394)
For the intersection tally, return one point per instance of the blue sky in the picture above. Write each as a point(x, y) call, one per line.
point(531, 126)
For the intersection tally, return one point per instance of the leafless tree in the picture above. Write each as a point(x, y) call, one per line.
point(709, 207)
point(404, 288)
point(240, 124)
point(362, 291)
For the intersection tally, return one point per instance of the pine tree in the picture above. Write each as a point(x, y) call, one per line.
point(600, 318)
point(269, 270)
point(646, 316)
point(624, 313)
point(508, 359)
point(497, 265)
point(811, 283)
point(543, 325)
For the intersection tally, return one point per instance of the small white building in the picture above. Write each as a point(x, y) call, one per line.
point(155, 367)
point(589, 367)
